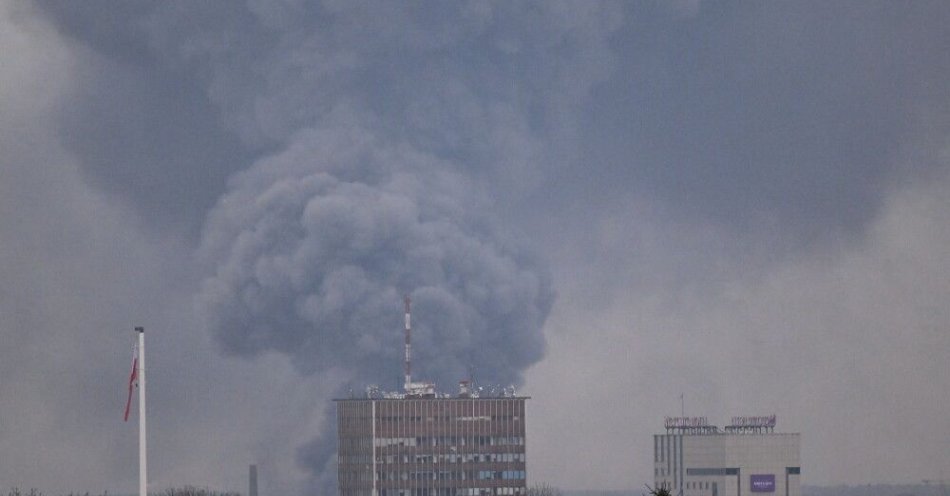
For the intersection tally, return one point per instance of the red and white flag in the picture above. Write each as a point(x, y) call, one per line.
point(133, 379)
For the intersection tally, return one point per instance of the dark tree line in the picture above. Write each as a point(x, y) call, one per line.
point(172, 491)
point(544, 489)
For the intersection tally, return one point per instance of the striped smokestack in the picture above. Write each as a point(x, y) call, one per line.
point(408, 365)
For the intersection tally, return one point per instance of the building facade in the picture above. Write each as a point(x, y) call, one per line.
point(432, 446)
point(745, 459)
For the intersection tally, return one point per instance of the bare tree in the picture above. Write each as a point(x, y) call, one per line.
point(544, 489)
point(658, 491)
point(194, 491)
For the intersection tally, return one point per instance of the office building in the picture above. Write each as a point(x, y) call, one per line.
point(422, 443)
point(435, 446)
point(746, 458)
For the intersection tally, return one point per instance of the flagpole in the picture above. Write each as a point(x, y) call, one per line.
point(143, 490)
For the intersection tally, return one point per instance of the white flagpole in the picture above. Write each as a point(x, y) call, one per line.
point(143, 491)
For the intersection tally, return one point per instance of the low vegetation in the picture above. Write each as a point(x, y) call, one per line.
point(173, 491)
point(658, 491)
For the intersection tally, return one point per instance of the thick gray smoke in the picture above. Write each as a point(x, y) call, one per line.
point(391, 174)
point(384, 141)
point(315, 247)
point(330, 155)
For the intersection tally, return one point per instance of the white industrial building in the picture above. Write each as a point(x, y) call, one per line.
point(746, 458)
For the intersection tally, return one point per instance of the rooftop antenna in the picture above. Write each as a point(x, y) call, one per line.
point(414, 389)
point(471, 375)
point(408, 385)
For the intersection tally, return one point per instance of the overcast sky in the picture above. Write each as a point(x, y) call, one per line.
point(606, 204)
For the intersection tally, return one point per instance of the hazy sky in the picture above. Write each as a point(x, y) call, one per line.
point(606, 204)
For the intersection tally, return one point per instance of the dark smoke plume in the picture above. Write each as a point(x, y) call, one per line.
point(385, 139)
point(315, 247)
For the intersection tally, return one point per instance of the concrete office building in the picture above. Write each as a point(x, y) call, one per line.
point(746, 458)
point(432, 446)
point(422, 443)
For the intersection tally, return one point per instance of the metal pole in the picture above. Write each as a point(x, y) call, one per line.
point(143, 475)
point(373, 419)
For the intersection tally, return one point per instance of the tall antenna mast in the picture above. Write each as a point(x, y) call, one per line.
point(143, 464)
point(408, 370)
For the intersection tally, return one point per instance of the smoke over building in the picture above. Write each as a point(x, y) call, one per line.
point(423, 443)
point(312, 257)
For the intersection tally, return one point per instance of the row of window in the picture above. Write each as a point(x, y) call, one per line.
point(501, 474)
point(732, 471)
point(712, 471)
point(440, 418)
point(442, 458)
point(705, 486)
point(362, 459)
point(382, 442)
point(442, 475)
point(347, 476)
point(424, 475)
point(510, 491)
point(454, 491)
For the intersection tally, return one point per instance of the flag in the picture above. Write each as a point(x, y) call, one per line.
point(133, 379)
